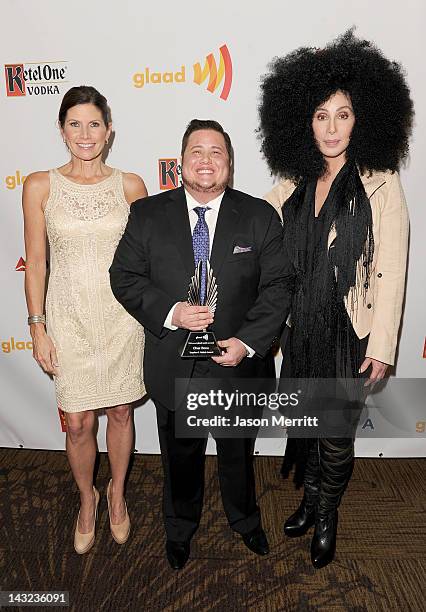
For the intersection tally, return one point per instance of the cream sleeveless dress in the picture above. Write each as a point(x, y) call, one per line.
point(99, 345)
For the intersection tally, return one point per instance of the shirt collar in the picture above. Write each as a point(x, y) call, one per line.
point(213, 204)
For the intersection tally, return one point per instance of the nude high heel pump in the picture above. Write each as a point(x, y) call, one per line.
point(83, 542)
point(119, 532)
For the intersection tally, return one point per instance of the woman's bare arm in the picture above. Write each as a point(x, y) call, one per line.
point(134, 187)
point(34, 198)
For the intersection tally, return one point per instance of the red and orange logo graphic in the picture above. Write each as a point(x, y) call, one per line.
point(20, 266)
point(216, 74)
point(169, 173)
point(62, 419)
point(15, 82)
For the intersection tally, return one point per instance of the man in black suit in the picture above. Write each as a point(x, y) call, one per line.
point(150, 276)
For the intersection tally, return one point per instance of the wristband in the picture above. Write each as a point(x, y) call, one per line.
point(37, 319)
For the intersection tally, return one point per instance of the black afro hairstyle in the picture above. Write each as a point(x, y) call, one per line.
point(301, 81)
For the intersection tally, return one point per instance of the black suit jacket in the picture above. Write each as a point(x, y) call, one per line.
point(152, 269)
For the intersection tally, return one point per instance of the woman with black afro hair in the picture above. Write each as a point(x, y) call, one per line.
point(334, 126)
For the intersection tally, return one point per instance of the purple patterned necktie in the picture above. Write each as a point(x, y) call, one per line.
point(200, 244)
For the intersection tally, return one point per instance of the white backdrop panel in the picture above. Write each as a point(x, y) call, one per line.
point(105, 44)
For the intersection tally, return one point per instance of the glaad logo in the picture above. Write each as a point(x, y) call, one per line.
point(421, 427)
point(169, 173)
point(20, 266)
point(205, 337)
point(34, 78)
point(10, 345)
point(14, 180)
point(143, 78)
point(215, 73)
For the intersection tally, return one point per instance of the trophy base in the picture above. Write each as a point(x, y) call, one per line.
point(199, 345)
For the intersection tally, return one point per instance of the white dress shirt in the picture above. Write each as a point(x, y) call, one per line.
point(211, 220)
point(210, 216)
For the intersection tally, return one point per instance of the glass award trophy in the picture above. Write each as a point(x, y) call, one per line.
point(202, 344)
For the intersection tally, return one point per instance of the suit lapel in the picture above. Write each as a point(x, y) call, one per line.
point(228, 217)
point(180, 229)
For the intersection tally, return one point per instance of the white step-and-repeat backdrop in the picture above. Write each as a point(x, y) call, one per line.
point(160, 65)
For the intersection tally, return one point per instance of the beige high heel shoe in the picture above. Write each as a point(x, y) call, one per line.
point(83, 542)
point(119, 532)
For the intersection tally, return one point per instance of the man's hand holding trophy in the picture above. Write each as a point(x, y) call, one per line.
point(201, 343)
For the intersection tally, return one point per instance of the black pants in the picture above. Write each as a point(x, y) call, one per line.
point(328, 462)
point(183, 464)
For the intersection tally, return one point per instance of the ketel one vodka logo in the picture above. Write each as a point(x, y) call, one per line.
point(35, 78)
point(169, 173)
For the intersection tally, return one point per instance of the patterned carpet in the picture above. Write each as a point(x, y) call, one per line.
point(380, 562)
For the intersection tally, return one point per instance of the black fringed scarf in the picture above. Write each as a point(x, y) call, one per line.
point(325, 276)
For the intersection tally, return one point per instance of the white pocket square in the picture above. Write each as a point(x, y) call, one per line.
point(240, 249)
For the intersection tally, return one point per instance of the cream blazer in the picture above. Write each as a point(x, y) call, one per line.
point(379, 312)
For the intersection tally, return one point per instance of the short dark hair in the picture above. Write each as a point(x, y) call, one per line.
point(84, 94)
point(205, 124)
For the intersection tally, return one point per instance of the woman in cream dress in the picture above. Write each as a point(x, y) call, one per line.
point(92, 346)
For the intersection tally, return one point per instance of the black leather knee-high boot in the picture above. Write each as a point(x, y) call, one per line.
point(336, 465)
point(304, 517)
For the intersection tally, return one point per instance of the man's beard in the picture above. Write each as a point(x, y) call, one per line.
point(215, 188)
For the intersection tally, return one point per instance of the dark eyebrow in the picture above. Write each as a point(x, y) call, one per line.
point(199, 146)
point(339, 109)
point(90, 120)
